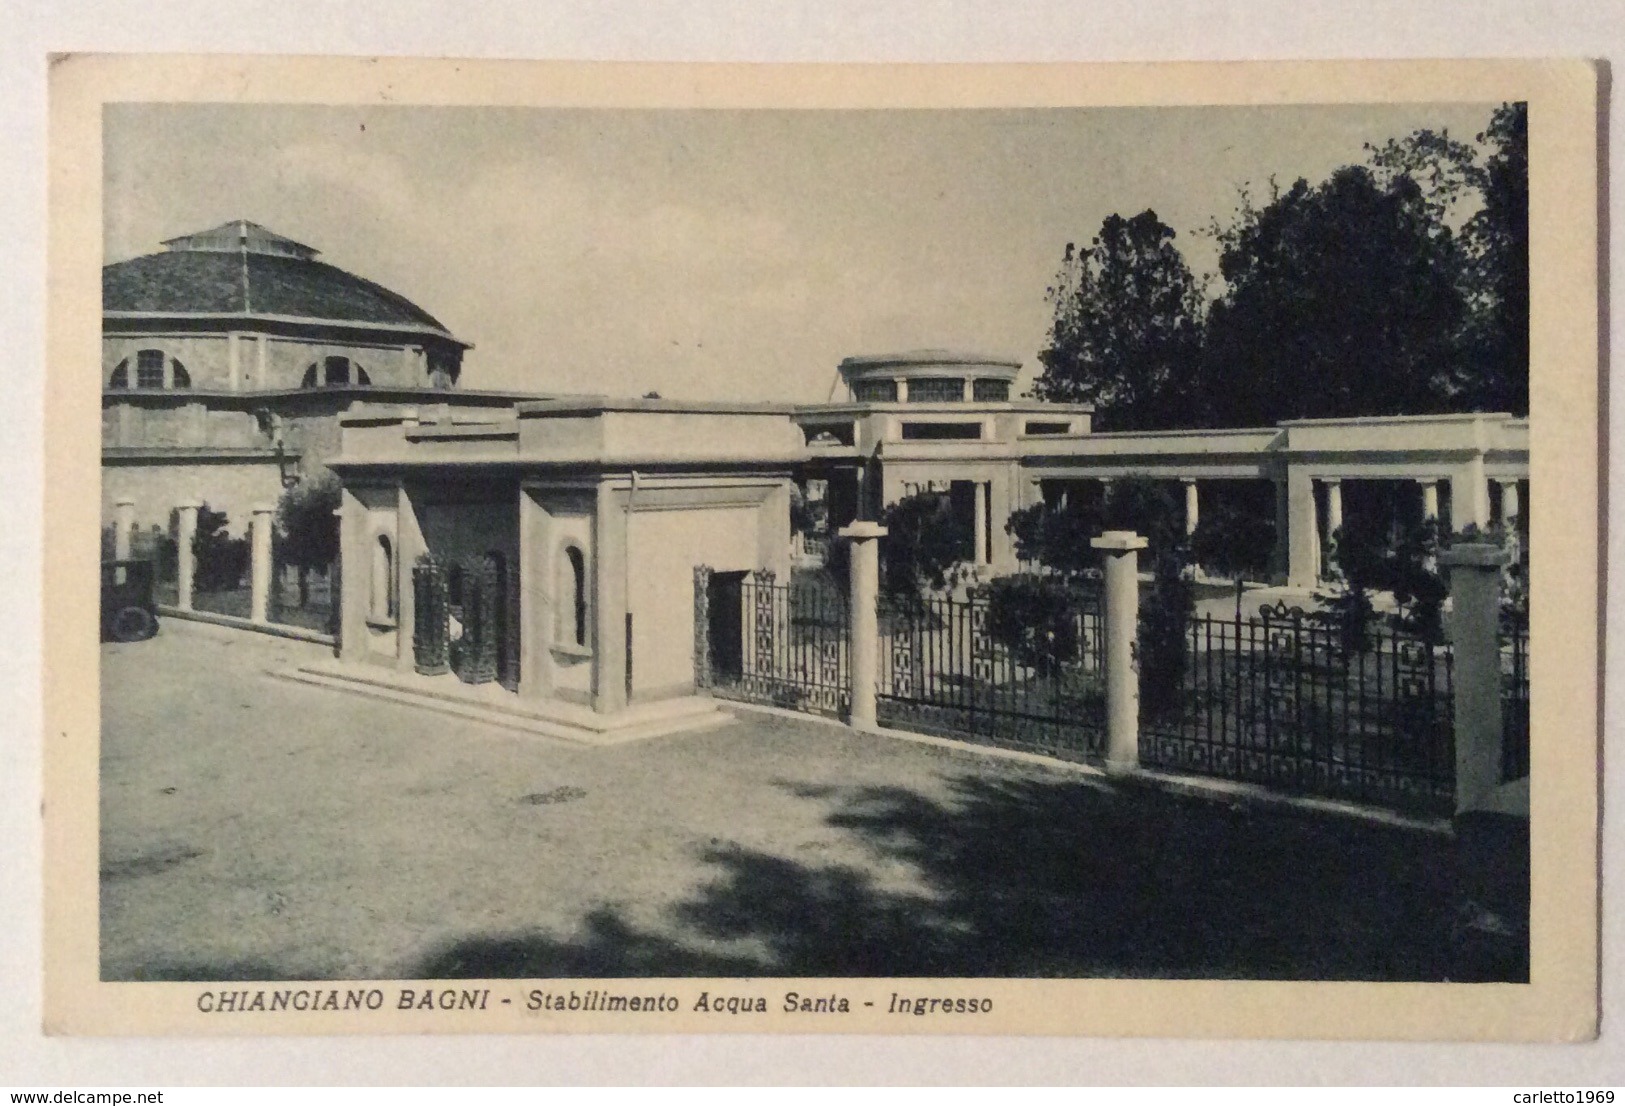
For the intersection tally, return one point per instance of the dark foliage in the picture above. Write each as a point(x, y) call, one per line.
point(1057, 537)
point(222, 560)
point(1400, 286)
point(1165, 614)
point(1127, 326)
point(923, 547)
point(1036, 618)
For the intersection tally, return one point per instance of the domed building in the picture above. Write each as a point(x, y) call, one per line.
point(227, 357)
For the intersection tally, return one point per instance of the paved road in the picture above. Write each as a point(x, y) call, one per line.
point(255, 828)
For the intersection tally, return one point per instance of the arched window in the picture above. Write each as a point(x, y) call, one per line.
point(181, 379)
point(570, 602)
point(334, 372)
point(121, 375)
point(383, 580)
point(149, 368)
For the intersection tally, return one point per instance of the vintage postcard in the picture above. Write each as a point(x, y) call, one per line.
point(1063, 550)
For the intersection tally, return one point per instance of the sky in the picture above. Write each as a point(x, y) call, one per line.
point(716, 254)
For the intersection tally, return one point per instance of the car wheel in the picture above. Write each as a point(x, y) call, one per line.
point(134, 624)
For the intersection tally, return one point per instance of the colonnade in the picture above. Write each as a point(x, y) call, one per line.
point(259, 542)
point(1303, 532)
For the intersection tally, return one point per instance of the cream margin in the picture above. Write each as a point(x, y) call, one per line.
point(1560, 1002)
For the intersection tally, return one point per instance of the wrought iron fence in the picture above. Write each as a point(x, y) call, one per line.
point(970, 668)
point(1287, 699)
point(1514, 694)
point(780, 644)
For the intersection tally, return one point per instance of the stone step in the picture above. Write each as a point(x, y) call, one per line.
point(565, 722)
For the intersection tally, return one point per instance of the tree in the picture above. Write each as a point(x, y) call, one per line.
point(220, 558)
point(1056, 537)
point(1127, 332)
point(1340, 299)
point(923, 549)
point(307, 531)
point(1497, 240)
point(1234, 544)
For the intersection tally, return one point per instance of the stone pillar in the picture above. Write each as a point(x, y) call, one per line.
point(1510, 507)
point(864, 595)
point(259, 536)
point(608, 575)
point(1193, 506)
point(1122, 610)
point(1475, 636)
point(409, 546)
point(979, 545)
point(1303, 532)
point(1334, 506)
point(123, 527)
point(968, 394)
point(185, 556)
point(902, 389)
point(1430, 498)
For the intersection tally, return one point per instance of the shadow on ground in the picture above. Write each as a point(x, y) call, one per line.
point(1057, 878)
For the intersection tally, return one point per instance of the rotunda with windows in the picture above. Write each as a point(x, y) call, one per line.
point(228, 356)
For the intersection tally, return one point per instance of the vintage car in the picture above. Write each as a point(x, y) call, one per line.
point(129, 612)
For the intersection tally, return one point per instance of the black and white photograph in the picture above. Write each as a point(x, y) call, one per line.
point(818, 568)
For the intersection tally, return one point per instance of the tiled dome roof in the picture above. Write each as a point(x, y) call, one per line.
point(243, 268)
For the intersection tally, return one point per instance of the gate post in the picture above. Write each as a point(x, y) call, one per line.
point(185, 556)
point(259, 581)
point(1122, 612)
point(1475, 635)
point(864, 595)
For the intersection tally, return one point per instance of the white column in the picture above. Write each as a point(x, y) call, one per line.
point(1193, 506)
point(234, 360)
point(1303, 532)
point(979, 547)
point(864, 594)
point(259, 535)
point(260, 369)
point(185, 558)
point(123, 526)
point(1475, 638)
point(1334, 506)
point(1510, 507)
point(902, 389)
point(1122, 611)
point(1470, 496)
point(969, 393)
point(1430, 498)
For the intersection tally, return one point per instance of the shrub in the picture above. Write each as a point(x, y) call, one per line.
point(1056, 537)
point(1165, 616)
point(923, 549)
point(1036, 619)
